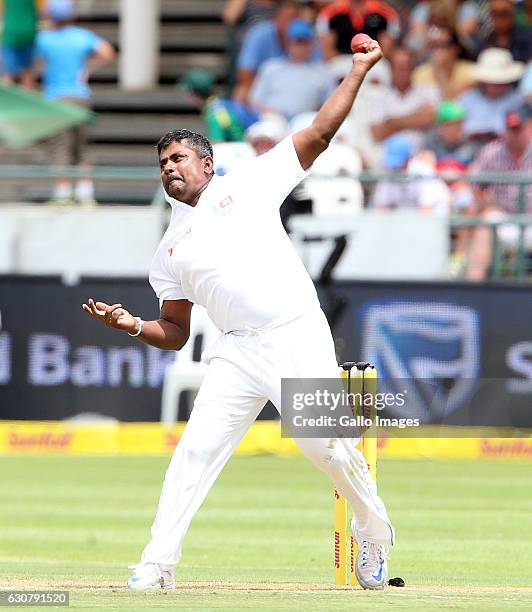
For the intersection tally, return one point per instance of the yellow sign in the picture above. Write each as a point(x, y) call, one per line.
point(57, 437)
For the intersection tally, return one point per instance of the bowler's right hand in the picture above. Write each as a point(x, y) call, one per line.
point(365, 61)
point(111, 315)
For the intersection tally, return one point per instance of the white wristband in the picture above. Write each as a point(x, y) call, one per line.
point(139, 321)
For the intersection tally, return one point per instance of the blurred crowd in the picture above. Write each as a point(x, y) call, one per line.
point(451, 99)
point(63, 55)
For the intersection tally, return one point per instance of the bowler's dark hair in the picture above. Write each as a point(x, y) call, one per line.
point(197, 142)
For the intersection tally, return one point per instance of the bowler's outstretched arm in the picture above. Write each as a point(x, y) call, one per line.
point(312, 141)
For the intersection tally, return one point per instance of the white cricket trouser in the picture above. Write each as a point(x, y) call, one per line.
point(244, 371)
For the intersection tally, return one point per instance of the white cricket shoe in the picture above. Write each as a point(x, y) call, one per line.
point(371, 565)
point(150, 576)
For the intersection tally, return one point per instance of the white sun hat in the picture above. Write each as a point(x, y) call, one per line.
point(272, 127)
point(497, 66)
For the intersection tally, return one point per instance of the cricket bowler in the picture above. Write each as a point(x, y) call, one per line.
point(226, 249)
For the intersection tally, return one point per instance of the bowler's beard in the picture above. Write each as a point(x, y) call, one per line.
point(175, 188)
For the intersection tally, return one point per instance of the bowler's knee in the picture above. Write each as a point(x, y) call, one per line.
point(328, 455)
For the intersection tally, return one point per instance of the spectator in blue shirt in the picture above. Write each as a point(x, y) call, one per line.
point(273, 89)
point(486, 105)
point(65, 51)
point(265, 41)
point(67, 54)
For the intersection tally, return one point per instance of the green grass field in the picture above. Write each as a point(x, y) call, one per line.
point(263, 538)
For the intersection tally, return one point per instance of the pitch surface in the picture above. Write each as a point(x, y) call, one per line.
point(263, 538)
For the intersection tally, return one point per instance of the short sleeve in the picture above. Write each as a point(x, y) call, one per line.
point(91, 41)
point(272, 175)
point(250, 53)
point(166, 287)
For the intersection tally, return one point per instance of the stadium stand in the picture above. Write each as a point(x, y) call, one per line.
point(192, 35)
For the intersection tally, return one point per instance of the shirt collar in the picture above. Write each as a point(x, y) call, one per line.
point(177, 204)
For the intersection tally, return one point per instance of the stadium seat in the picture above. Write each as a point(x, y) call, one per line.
point(331, 185)
point(185, 374)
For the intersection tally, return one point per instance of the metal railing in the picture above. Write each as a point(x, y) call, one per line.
point(521, 266)
point(141, 173)
point(149, 174)
point(114, 184)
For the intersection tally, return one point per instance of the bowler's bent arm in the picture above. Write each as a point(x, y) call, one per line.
point(172, 330)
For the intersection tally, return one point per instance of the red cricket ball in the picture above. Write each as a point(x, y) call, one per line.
point(359, 43)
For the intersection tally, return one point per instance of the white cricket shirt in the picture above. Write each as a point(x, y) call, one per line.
point(230, 253)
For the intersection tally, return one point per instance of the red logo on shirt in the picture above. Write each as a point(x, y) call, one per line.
point(224, 207)
point(183, 235)
point(225, 202)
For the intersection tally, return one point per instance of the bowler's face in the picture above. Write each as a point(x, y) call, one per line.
point(183, 173)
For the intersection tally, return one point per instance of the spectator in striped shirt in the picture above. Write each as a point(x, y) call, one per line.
point(511, 153)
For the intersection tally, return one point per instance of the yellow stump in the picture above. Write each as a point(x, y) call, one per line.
point(341, 511)
point(345, 547)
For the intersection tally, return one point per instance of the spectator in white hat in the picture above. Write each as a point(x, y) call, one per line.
point(487, 104)
point(265, 134)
